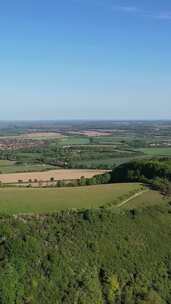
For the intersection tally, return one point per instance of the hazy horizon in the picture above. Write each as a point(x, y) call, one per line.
point(92, 60)
point(82, 120)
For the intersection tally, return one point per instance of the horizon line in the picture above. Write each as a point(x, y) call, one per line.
point(85, 119)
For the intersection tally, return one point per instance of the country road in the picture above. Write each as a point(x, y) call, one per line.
point(131, 198)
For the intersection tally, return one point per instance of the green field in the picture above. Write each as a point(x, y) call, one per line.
point(156, 151)
point(109, 139)
point(74, 140)
point(7, 166)
point(110, 162)
point(96, 162)
point(24, 200)
point(147, 199)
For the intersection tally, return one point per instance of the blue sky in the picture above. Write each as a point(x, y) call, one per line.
point(101, 59)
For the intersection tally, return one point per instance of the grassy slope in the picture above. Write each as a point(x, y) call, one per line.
point(24, 200)
point(150, 198)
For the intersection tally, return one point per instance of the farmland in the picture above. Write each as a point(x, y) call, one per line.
point(156, 151)
point(48, 175)
point(7, 166)
point(37, 151)
point(34, 135)
point(23, 200)
point(83, 145)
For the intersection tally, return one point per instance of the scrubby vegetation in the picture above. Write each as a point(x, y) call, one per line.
point(95, 180)
point(89, 257)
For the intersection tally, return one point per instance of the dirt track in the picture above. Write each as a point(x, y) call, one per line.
point(47, 175)
point(131, 198)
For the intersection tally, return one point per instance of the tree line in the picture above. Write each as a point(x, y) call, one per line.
point(155, 172)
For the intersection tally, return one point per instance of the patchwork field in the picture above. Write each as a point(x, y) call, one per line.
point(93, 133)
point(156, 151)
point(35, 135)
point(110, 162)
point(63, 174)
point(28, 200)
point(7, 166)
point(75, 140)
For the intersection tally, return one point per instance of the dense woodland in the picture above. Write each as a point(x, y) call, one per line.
point(154, 172)
point(96, 256)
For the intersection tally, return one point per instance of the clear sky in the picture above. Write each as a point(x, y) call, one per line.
point(85, 59)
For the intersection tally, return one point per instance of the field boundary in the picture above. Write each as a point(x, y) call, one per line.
point(55, 174)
